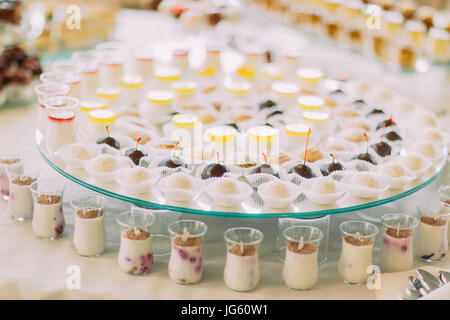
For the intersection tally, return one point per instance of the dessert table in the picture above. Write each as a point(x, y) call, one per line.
point(38, 269)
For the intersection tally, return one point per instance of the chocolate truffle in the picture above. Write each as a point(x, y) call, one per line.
point(172, 162)
point(303, 171)
point(135, 155)
point(328, 168)
point(387, 123)
point(382, 148)
point(110, 141)
point(267, 104)
point(265, 168)
point(214, 170)
point(374, 112)
point(392, 136)
point(365, 157)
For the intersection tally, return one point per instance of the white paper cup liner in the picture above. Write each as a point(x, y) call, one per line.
point(228, 200)
point(177, 194)
point(70, 161)
point(122, 162)
point(137, 188)
point(397, 182)
point(364, 192)
point(322, 198)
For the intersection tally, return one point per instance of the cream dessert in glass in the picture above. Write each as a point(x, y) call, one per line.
point(88, 61)
point(397, 250)
point(72, 69)
point(48, 217)
point(61, 128)
point(186, 261)
point(135, 253)
point(44, 91)
point(356, 254)
point(444, 194)
point(432, 239)
point(12, 163)
point(300, 269)
point(112, 55)
point(20, 202)
point(89, 237)
point(241, 271)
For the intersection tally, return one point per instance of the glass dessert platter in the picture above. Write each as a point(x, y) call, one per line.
point(249, 208)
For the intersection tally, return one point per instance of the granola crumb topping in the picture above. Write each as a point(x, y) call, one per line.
point(190, 242)
point(48, 199)
point(90, 213)
point(358, 242)
point(23, 180)
point(399, 233)
point(136, 234)
point(307, 248)
point(9, 161)
point(433, 221)
point(247, 250)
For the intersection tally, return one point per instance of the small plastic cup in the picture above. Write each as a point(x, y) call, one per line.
point(13, 163)
point(301, 267)
point(241, 271)
point(20, 201)
point(397, 249)
point(135, 253)
point(89, 236)
point(186, 261)
point(48, 217)
point(356, 255)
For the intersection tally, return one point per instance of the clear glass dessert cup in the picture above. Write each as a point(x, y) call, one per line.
point(356, 254)
point(20, 200)
point(300, 269)
point(12, 162)
point(432, 239)
point(89, 236)
point(397, 249)
point(186, 261)
point(241, 271)
point(61, 127)
point(135, 253)
point(48, 216)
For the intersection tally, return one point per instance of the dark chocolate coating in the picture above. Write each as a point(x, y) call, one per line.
point(328, 168)
point(274, 113)
point(388, 123)
point(365, 157)
point(375, 111)
point(267, 104)
point(382, 148)
point(135, 155)
point(303, 171)
point(392, 136)
point(110, 141)
point(232, 124)
point(265, 168)
point(172, 162)
point(214, 170)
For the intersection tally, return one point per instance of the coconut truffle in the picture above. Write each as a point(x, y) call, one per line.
point(226, 187)
point(278, 189)
point(179, 181)
point(433, 136)
point(365, 179)
point(426, 149)
point(323, 186)
point(413, 162)
point(354, 135)
point(80, 152)
point(136, 175)
point(393, 169)
point(105, 163)
point(425, 119)
point(312, 155)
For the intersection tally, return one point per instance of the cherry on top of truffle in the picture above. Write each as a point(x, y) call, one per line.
point(392, 136)
point(267, 104)
point(110, 141)
point(135, 154)
point(328, 168)
point(265, 168)
point(382, 148)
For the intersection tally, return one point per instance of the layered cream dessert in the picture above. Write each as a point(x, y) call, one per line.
point(300, 269)
point(242, 267)
point(186, 262)
point(397, 250)
point(48, 218)
point(89, 237)
point(356, 256)
point(8, 163)
point(432, 242)
point(20, 202)
point(135, 254)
